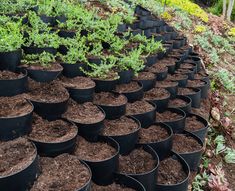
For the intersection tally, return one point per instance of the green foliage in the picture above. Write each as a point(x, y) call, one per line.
point(10, 36)
point(185, 21)
point(152, 47)
point(229, 156)
point(220, 144)
point(227, 79)
point(35, 23)
point(200, 29)
point(200, 181)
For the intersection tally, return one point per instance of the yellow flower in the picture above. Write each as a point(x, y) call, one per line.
point(199, 29)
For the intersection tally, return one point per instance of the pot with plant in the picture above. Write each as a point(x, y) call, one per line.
point(49, 99)
point(41, 67)
point(147, 79)
point(88, 117)
point(114, 104)
point(13, 83)
point(15, 117)
point(10, 45)
point(15, 174)
point(193, 93)
point(46, 13)
point(101, 156)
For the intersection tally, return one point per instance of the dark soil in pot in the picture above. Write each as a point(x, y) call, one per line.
point(15, 117)
point(193, 93)
point(202, 76)
point(19, 164)
point(170, 172)
point(147, 79)
point(44, 74)
point(181, 102)
point(124, 131)
point(169, 85)
point(159, 96)
point(202, 85)
point(189, 72)
point(112, 187)
point(133, 91)
point(180, 78)
point(81, 89)
point(160, 70)
point(191, 66)
point(54, 171)
point(173, 117)
point(12, 83)
point(143, 111)
point(113, 104)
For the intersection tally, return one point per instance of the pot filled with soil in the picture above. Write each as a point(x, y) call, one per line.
point(101, 156)
point(170, 63)
point(169, 85)
point(147, 79)
point(181, 102)
point(202, 75)
point(142, 110)
point(159, 70)
point(10, 60)
point(190, 66)
point(121, 182)
point(88, 117)
point(200, 84)
point(125, 76)
point(54, 171)
point(151, 59)
point(81, 89)
point(49, 99)
point(113, 104)
point(133, 91)
point(73, 70)
point(107, 84)
point(53, 138)
point(173, 174)
point(173, 117)
point(159, 96)
point(19, 166)
point(159, 137)
point(193, 93)
point(195, 59)
point(189, 147)
point(15, 117)
point(124, 130)
point(196, 125)
point(182, 79)
point(141, 164)
point(12, 83)
point(189, 72)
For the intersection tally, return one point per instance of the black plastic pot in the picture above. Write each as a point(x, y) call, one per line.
point(182, 82)
point(114, 112)
point(38, 50)
point(50, 111)
point(67, 34)
point(103, 171)
point(90, 131)
point(136, 32)
point(73, 70)
point(151, 59)
point(128, 182)
point(196, 60)
point(192, 158)
point(122, 27)
point(194, 54)
point(13, 87)
point(195, 97)
point(177, 125)
point(201, 133)
point(147, 84)
point(48, 20)
point(21, 180)
point(145, 24)
point(182, 186)
point(52, 149)
point(10, 60)
point(148, 178)
point(13, 127)
point(61, 19)
point(194, 66)
point(186, 108)
point(125, 76)
point(161, 103)
point(189, 72)
point(160, 76)
point(127, 142)
point(163, 147)
point(43, 75)
point(146, 118)
point(81, 95)
point(204, 90)
point(176, 44)
point(105, 85)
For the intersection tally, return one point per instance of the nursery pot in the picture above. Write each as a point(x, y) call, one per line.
point(40, 75)
point(163, 147)
point(177, 125)
point(67, 34)
point(114, 111)
point(103, 171)
point(81, 95)
point(21, 180)
point(10, 60)
point(147, 178)
point(105, 85)
point(182, 186)
point(190, 73)
point(160, 76)
point(161, 103)
point(201, 133)
point(50, 111)
point(147, 84)
point(204, 90)
point(193, 158)
point(146, 118)
point(122, 27)
point(52, 149)
point(48, 20)
point(173, 89)
point(39, 50)
point(151, 59)
point(182, 82)
point(90, 131)
point(194, 66)
point(127, 142)
point(125, 76)
point(12, 87)
point(73, 70)
point(197, 60)
point(195, 97)
point(186, 108)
